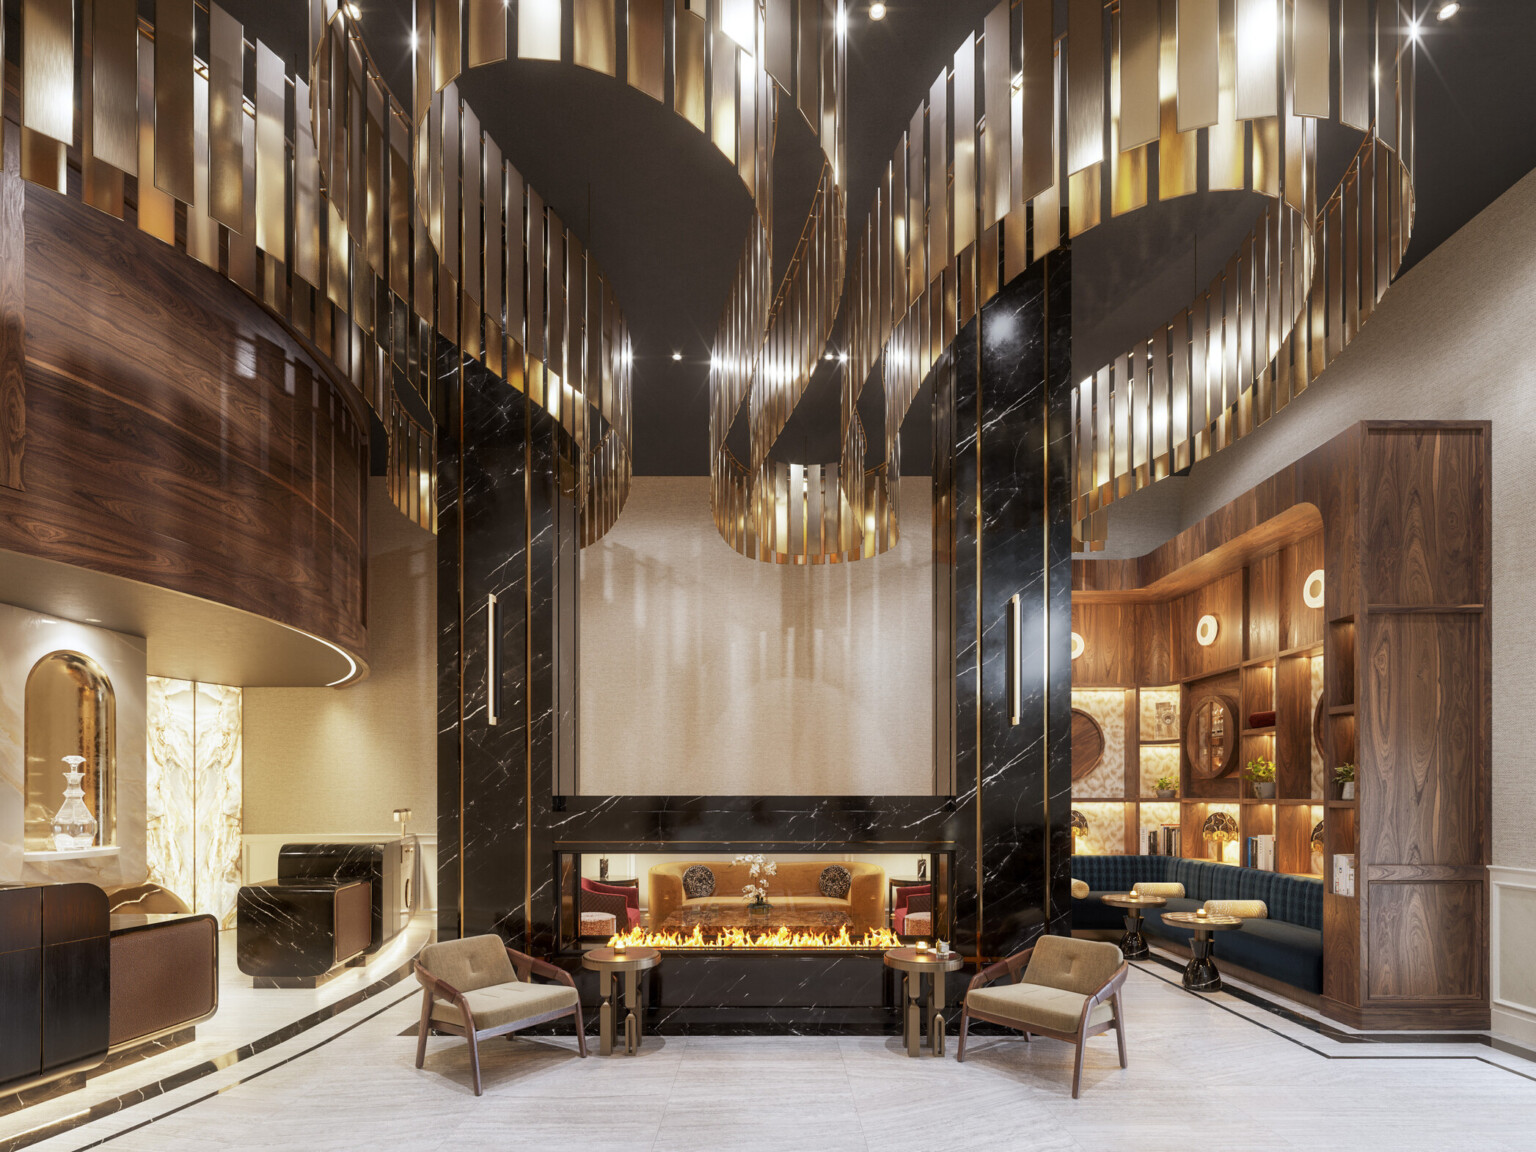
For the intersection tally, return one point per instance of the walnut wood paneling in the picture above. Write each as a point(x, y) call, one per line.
point(1293, 729)
point(178, 435)
point(13, 322)
point(1153, 641)
point(1109, 645)
point(1422, 513)
point(1300, 625)
point(1222, 599)
point(1264, 606)
point(1419, 741)
point(1427, 940)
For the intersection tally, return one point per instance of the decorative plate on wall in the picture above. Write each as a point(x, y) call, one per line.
point(1212, 737)
point(1087, 744)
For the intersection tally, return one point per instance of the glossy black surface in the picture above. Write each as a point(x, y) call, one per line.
point(286, 930)
point(378, 864)
point(54, 980)
point(504, 818)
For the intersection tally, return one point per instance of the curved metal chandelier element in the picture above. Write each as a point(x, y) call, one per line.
point(1010, 154)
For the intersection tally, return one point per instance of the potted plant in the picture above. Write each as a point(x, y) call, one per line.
point(1261, 774)
point(1167, 788)
point(757, 891)
point(1345, 775)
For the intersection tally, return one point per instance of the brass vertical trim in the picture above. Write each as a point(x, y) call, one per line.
point(114, 83)
point(1045, 573)
point(173, 98)
point(528, 663)
point(226, 141)
point(492, 660)
point(980, 636)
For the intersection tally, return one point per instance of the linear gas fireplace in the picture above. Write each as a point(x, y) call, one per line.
point(754, 901)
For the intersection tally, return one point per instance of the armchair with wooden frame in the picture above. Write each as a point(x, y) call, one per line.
point(1063, 988)
point(478, 988)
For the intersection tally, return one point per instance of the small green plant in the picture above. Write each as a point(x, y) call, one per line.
point(1344, 773)
point(1260, 770)
point(1165, 783)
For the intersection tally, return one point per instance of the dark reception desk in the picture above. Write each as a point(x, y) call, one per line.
point(78, 984)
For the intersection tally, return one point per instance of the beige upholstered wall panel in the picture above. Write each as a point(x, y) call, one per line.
point(328, 760)
point(706, 674)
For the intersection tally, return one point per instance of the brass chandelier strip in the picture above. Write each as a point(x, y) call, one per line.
point(1001, 180)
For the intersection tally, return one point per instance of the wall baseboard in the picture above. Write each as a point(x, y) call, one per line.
point(1512, 1017)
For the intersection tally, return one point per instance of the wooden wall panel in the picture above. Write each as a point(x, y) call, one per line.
point(13, 323)
point(1300, 625)
point(1422, 515)
point(178, 435)
point(1426, 940)
point(1264, 607)
point(1222, 599)
point(1109, 645)
point(1419, 740)
point(1153, 644)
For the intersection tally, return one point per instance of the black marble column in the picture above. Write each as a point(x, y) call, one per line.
point(499, 509)
point(1002, 529)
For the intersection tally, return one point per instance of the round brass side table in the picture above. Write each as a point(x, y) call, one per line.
point(917, 967)
point(1201, 975)
point(1133, 945)
point(609, 966)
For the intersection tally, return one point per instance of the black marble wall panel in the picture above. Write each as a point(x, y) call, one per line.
point(1005, 392)
point(1003, 833)
point(378, 864)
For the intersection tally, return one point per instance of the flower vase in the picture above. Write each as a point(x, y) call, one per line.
point(73, 826)
point(759, 907)
point(1264, 790)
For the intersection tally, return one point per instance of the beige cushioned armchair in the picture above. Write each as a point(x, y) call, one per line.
point(478, 988)
point(1062, 988)
point(797, 885)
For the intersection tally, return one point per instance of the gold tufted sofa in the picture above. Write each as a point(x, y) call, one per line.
point(797, 884)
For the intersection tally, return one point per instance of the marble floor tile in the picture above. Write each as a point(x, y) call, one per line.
point(1204, 1070)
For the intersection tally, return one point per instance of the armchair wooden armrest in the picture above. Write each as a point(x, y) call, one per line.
point(442, 990)
point(1010, 967)
point(1107, 991)
point(528, 967)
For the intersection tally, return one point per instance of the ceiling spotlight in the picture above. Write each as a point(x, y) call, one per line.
point(415, 41)
point(1446, 11)
point(354, 11)
point(829, 356)
point(677, 355)
point(843, 356)
point(1413, 31)
point(877, 11)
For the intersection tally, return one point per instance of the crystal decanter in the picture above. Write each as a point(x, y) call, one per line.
point(74, 826)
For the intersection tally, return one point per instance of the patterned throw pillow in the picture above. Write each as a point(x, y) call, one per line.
point(1242, 909)
point(1079, 889)
point(1166, 891)
point(835, 881)
point(698, 882)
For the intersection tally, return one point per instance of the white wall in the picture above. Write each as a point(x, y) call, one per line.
point(330, 761)
point(704, 673)
point(1455, 339)
point(25, 638)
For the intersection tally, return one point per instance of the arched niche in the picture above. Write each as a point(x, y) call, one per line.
point(71, 710)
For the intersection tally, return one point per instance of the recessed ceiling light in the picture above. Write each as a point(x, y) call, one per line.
point(1413, 31)
point(677, 355)
point(843, 356)
point(877, 11)
point(1446, 11)
point(829, 356)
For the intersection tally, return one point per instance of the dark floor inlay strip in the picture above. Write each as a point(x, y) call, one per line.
point(207, 1067)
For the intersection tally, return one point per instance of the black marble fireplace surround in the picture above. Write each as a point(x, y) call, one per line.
point(507, 527)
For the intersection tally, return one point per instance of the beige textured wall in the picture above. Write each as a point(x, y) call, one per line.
point(703, 673)
point(341, 760)
point(1452, 341)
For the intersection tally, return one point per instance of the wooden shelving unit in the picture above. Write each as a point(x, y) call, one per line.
point(1391, 673)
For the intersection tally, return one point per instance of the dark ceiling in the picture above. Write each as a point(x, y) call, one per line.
point(666, 217)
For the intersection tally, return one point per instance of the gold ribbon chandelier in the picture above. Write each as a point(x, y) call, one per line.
point(376, 226)
point(1029, 139)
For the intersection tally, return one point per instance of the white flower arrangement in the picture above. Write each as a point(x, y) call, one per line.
point(760, 870)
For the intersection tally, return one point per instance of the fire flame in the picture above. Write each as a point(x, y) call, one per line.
point(874, 939)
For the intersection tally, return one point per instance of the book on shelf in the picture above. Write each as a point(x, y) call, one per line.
point(1172, 840)
point(1260, 853)
point(1152, 842)
point(1344, 874)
